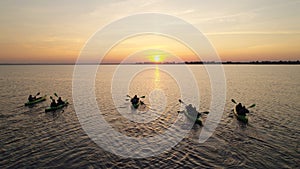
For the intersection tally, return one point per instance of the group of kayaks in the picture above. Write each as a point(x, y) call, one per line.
point(192, 114)
point(188, 112)
point(44, 98)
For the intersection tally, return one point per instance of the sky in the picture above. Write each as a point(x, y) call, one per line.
point(240, 30)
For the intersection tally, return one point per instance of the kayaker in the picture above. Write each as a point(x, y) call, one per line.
point(190, 109)
point(241, 110)
point(60, 102)
point(30, 98)
point(53, 103)
point(239, 107)
point(135, 100)
point(244, 111)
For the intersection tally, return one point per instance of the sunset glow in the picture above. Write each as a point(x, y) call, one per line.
point(155, 49)
point(56, 31)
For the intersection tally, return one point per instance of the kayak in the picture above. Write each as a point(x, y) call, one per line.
point(39, 99)
point(135, 105)
point(241, 118)
point(190, 117)
point(48, 109)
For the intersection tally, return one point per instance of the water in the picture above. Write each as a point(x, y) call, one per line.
point(32, 138)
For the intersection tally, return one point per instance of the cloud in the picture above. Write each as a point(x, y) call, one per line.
point(254, 33)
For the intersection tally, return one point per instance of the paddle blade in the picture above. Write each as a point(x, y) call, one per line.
point(143, 97)
point(253, 105)
point(180, 101)
point(233, 101)
point(55, 94)
point(205, 112)
point(51, 97)
point(128, 96)
point(38, 94)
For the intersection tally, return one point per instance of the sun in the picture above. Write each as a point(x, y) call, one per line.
point(157, 58)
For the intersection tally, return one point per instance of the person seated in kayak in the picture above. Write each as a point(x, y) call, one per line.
point(190, 109)
point(135, 100)
point(53, 103)
point(241, 110)
point(31, 98)
point(60, 102)
point(239, 107)
point(244, 111)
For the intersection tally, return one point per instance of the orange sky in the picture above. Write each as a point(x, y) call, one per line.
point(56, 31)
point(145, 48)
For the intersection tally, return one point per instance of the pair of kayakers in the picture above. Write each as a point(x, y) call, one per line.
point(34, 99)
point(55, 104)
point(241, 110)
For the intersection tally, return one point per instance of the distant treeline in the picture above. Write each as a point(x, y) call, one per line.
point(251, 62)
point(227, 62)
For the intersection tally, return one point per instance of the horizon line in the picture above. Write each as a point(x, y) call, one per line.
point(166, 63)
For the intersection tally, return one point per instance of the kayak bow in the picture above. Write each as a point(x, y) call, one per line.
point(190, 117)
point(135, 105)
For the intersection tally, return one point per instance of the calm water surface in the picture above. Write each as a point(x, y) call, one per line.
point(31, 138)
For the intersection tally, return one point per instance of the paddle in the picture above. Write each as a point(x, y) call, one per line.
point(34, 98)
point(55, 95)
point(253, 105)
point(205, 112)
point(130, 97)
point(52, 98)
point(127, 98)
point(180, 101)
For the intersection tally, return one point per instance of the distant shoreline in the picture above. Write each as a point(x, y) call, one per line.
point(172, 63)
